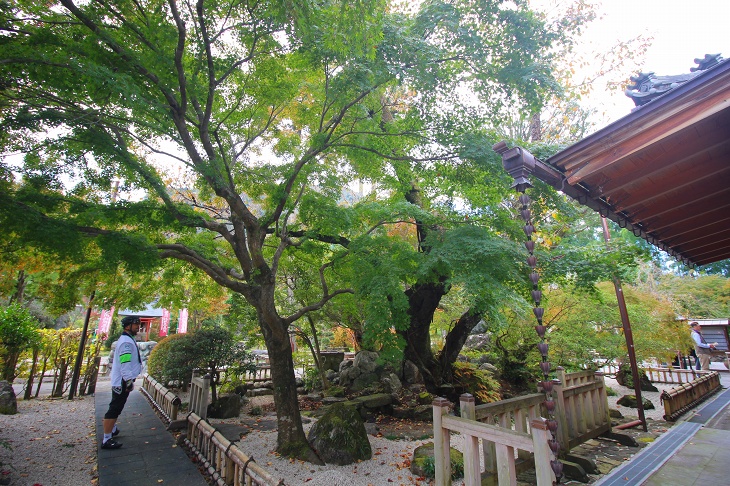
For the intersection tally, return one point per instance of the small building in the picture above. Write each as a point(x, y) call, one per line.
point(150, 316)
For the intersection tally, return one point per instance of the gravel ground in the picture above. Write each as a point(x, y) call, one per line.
point(391, 458)
point(53, 442)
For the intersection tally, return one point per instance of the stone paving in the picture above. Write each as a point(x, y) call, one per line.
point(150, 456)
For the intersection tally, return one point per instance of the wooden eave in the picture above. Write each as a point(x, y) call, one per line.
point(663, 171)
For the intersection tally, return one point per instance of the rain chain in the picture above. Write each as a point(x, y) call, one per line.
point(546, 383)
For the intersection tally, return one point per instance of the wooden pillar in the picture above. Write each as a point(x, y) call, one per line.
point(472, 467)
point(540, 436)
point(441, 443)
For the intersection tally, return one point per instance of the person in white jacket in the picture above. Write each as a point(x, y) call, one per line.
point(126, 366)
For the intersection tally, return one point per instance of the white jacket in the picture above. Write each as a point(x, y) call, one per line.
point(127, 364)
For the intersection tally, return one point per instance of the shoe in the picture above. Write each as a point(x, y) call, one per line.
point(111, 444)
point(116, 433)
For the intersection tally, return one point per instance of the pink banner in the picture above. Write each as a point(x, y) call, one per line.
point(164, 322)
point(101, 323)
point(105, 321)
point(182, 324)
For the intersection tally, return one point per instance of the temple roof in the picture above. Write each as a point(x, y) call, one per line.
point(648, 86)
point(662, 171)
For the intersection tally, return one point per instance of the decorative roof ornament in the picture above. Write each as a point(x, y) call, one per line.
point(648, 86)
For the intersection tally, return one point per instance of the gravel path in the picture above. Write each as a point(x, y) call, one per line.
point(53, 442)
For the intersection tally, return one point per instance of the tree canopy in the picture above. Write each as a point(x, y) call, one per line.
point(229, 135)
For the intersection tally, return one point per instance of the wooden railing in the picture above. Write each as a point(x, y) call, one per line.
point(581, 411)
point(680, 399)
point(260, 375)
point(199, 394)
point(506, 442)
point(224, 461)
point(581, 407)
point(166, 402)
point(672, 375)
point(226, 464)
point(515, 414)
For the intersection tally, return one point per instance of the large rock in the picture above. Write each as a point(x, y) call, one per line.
point(339, 437)
point(374, 402)
point(362, 382)
point(362, 373)
point(422, 464)
point(630, 401)
point(392, 383)
point(411, 374)
point(8, 402)
point(226, 406)
point(478, 342)
point(367, 361)
point(646, 384)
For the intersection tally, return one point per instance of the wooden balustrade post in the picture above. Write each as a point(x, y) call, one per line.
point(521, 422)
point(561, 414)
point(540, 436)
point(489, 451)
point(472, 467)
point(604, 414)
point(441, 443)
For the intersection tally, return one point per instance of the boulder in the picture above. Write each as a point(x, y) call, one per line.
point(423, 413)
point(227, 406)
point(374, 402)
point(411, 374)
point(422, 464)
point(366, 361)
point(646, 384)
point(425, 398)
point(491, 368)
point(613, 413)
point(8, 402)
point(362, 382)
point(630, 401)
point(331, 375)
point(346, 365)
point(339, 437)
point(392, 383)
point(478, 342)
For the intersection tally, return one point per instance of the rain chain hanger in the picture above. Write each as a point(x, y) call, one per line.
point(546, 384)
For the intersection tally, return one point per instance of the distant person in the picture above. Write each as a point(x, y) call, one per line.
point(702, 348)
point(126, 366)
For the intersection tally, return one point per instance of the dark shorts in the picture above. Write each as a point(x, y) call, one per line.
point(117, 404)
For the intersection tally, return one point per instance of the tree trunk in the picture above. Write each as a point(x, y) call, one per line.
point(58, 390)
point(291, 439)
point(31, 376)
point(455, 340)
point(19, 293)
point(11, 362)
point(423, 300)
point(40, 378)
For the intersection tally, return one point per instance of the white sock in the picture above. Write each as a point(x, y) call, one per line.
point(107, 437)
point(114, 429)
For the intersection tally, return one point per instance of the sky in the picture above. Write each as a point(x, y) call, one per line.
point(682, 30)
